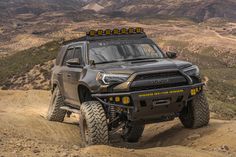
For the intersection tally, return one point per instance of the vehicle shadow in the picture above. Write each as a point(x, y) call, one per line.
point(160, 134)
point(169, 134)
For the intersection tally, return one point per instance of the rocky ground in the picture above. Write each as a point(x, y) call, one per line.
point(25, 132)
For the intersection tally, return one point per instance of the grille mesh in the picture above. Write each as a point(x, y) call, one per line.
point(151, 76)
point(156, 75)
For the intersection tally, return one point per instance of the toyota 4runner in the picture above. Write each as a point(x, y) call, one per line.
point(119, 80)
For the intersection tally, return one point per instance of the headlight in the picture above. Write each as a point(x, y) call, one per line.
point(108, 79)
point(192, 71)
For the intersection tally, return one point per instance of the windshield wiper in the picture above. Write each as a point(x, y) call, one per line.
point(137, 59)
point(125, 60)
point(113, 61)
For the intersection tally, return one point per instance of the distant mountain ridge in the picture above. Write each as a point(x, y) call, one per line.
point(199, 10)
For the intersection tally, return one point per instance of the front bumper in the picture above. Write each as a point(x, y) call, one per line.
point(153, 104)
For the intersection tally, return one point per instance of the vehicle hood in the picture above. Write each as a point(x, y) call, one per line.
point(141, 66)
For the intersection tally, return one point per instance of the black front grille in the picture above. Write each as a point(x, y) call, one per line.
point(157, 86)
point(155, 81)
point(156, 75)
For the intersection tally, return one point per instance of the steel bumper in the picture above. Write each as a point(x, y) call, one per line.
point(152, 104)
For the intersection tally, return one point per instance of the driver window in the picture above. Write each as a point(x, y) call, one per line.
point(78, 54)
point(68, 56)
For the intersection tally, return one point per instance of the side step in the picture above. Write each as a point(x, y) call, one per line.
point(70, 109)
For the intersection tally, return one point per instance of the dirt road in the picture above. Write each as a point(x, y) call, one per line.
point(25, 132)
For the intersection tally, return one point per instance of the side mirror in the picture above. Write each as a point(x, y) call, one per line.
point(74, 62)
point(91, 62)
point(171, 55)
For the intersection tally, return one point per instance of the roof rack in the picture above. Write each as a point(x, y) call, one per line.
point(123, 33)
point(129, 36)
point(115, 31)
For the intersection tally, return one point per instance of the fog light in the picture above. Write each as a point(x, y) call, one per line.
point(193, 92)
point(125, 100)
point(197, 90)
point(111, 99)
point(117, 99)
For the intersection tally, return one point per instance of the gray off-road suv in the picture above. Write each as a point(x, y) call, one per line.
point(118, 81)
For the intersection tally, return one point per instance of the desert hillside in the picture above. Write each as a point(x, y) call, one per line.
point(199, 10)
point(28, 23)
point(210, 44)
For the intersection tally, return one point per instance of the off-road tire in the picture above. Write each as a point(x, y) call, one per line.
point(196, 114)
point(54, 112)
point(93, 124)
point(132, 133)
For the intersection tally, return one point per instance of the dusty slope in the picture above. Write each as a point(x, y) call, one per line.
point(25, 132)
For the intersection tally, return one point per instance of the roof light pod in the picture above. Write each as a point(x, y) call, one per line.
point(92, 33)
point(139, 30)
point(131, 31)
point(107, 32)
point(123, 31)
point(116, 31)
point(100, 32)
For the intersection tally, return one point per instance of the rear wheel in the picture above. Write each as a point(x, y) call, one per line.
point(54, 112)
point(93, 124)
point(132, 132)
point(196, 114)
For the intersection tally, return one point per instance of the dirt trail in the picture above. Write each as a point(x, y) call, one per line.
point(224, 37)
point(25, 132)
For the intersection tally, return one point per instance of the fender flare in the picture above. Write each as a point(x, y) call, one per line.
point(81, 83)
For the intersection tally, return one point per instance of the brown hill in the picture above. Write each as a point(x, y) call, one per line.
point(199, 10)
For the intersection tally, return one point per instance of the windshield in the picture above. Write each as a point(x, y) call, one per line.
point(124, 52)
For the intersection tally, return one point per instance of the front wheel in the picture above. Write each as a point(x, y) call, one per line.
point(93, 124)
point(196, 114)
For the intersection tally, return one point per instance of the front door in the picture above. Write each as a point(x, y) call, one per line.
point(70, 74)
point(74, 74)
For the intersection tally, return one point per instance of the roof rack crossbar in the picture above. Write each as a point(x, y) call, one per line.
point(133, 36)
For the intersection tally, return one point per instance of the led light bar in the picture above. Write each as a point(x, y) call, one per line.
point(116, 31)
